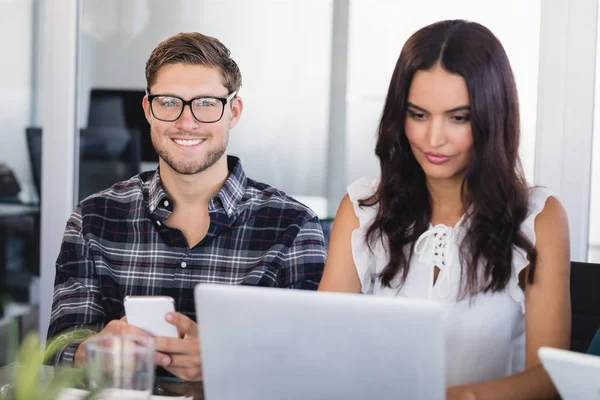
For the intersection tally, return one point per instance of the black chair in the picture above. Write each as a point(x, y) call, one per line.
point(122, 108)
point(585, 304)
point(19, 251)
point(327, 225)
point(107, 156)
point(595, 346)
point(34, 147)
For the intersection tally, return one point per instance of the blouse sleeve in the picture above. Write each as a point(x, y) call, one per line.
point(364, 258)
point(537, 202)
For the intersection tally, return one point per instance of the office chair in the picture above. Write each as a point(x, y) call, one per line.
point(122, 108)
point(327, 225)
point(107, 156)
point(585, 304)
point(34, 147)
point(595, 346)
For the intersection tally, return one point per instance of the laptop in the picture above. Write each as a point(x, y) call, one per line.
point(267, 343)
point(575, 375)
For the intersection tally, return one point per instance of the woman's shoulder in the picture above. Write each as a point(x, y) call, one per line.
point(544, 208)
point(361, 189)
point(542, 203)
point(364, 258)
point(547, 219)
point(538, 195)
point(542, 200)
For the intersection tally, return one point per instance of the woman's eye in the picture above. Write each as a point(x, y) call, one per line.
point(461, 118)
point(416, 115)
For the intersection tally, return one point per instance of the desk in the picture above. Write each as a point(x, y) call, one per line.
point(161, 387)
point(19, 249)
point(8, 209)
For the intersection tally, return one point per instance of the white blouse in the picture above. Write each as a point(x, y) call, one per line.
point(485, 333)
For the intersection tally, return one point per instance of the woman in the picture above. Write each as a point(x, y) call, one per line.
point(452, 219)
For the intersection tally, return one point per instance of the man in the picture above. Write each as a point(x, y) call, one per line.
point(197, 218)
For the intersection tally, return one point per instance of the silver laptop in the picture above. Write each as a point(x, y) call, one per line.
point(575, 375)
point(265, 343)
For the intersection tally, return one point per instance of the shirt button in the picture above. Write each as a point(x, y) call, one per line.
point(158, 223)
point(166, 203)
point(183, 265)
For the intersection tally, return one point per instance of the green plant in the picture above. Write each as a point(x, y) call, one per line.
point(28, 381)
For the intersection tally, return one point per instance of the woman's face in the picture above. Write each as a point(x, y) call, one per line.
point(438, 124)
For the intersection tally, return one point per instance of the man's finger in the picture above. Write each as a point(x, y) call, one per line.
point(184, 324)
point(178, 360)
point(134, 331)
point(177, 346)
point(162, 359)
point(187, 374)
point(113, 327)
point(184, 361)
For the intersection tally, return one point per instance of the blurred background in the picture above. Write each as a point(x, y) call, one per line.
point(315, 76)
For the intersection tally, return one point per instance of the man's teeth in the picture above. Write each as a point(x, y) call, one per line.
point(188, 142)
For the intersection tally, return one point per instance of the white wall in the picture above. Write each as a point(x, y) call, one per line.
point(379, 29)
point(15, 84)
point(594, 228)
point(283, 50)
point(595, 189)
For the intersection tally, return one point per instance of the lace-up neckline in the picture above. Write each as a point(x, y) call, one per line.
point(435, 248)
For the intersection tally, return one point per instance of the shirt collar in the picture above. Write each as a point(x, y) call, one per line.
point(156, 194)
point(233, 190)
point(228, 198)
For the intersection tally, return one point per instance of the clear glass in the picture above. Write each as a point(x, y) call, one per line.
point(122, 365)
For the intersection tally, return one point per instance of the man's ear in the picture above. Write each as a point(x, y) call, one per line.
point(146, 107)
point(237, 106)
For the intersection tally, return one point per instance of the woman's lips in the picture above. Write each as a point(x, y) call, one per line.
point(437, 158)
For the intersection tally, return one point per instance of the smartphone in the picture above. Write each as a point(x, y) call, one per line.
point(148, 313)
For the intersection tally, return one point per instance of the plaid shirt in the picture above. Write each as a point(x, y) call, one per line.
point(116, 244)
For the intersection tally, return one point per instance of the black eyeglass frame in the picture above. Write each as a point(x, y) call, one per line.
point(223, 100)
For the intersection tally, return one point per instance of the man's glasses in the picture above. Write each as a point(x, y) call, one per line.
point(205, 109)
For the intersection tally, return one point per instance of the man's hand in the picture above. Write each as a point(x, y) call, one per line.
point(181, 357)
point(114, 327)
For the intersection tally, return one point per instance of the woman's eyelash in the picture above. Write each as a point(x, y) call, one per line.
point(416, 114)
point(462, 118)
point(457, 118)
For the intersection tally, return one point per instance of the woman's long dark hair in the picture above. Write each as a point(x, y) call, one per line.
point(494, 191)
